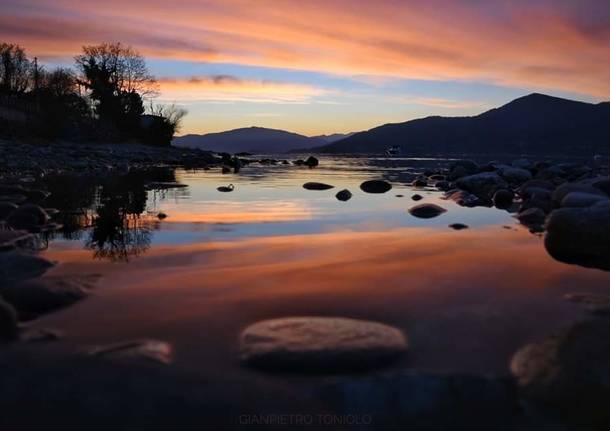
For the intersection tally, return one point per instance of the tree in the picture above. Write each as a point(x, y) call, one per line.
point(15, 69)
point(117, 79)
point(59, 83)
point(163, 122)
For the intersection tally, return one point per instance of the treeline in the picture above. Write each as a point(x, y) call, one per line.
point(107, 96)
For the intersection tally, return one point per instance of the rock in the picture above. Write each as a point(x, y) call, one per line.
point(464, 198)
point(320, 344)
point(580, 235)
point(462, 168)
point(566, 188)
point(515, 175)
point(482, 185)
point(136, 351)
point(6, 208)
point(443, 185)
point(419, 183)
point(16, 267)
point(417, 197)
point(375, 186)
point(45, 294)
point(161, 216)
point(580, 200)
point(426, 210)
point(317, 186)
point(523, 164)
point(225, 170)
point(9, 239)
point(602, 184)
point(344, 195)
point(532, 216)
point(400, 196)
point(530, 186)
point(503, 198)
point(299, 162)
point(570, 373)
point(458, 226)
point(312, 162)
point(8, 322)
point(595, 303)
point(437, 177)
point(28, 216)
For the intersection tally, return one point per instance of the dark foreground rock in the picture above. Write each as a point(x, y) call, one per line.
point(28, 216)
point(458, 226)
point(570, 372)
point(483, 185)
point(375, 186)
point(16, 267)
point(580, 235)
point(8, 322)
point(45, 294)
point(344, 195)
point(317, 186)
point(322, 344)
point(426, 210)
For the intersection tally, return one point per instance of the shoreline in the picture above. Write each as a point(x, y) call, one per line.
point(18, 158)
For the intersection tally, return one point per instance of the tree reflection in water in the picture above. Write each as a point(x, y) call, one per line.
point(113, 211)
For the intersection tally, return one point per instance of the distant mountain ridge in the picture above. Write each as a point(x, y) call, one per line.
point(249, 139)
point(535, 123)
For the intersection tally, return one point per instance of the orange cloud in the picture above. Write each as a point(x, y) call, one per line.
point(231, 89)
point(547, 45)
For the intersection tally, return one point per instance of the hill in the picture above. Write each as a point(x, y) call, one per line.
point(249, 139)
point(533, 124)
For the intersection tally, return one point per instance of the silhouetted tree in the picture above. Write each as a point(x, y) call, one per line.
point(162, 123)
point(15, 69)
point(117, 78)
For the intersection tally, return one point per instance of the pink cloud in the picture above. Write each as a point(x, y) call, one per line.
point(546, 44)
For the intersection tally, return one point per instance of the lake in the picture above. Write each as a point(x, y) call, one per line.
point(466, 299)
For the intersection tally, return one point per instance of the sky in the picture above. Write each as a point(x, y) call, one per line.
point(326, 66)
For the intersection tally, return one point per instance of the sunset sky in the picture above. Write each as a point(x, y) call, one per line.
point(324, 66)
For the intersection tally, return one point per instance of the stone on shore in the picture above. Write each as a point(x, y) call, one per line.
point(580, 235)
point(426, 210)
point(159, 185)
point(566, 188)
point(45, 294)
point(570, 373)
point(375, 186)
point(312, 162)
point(515, 175)
point(483, 185)
point(317, 186)
point(344, 195)
point(581, 200)
point(323, 344)
point(503, 198)
point(6, 208)
point(594, 303)
point(16, 267)
point(531, 216)
point(28, 216)
point(417, 197)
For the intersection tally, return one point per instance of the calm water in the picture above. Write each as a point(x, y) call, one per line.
point(219, 261)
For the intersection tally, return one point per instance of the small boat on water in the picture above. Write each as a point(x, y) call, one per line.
point(392, 151)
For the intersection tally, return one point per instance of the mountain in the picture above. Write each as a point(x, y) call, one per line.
point(249, 139)
point(533, 124)
point(329, 139)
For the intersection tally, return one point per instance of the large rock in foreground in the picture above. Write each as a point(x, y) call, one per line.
point(323, 344)
point(580, 235)
point(570, 372)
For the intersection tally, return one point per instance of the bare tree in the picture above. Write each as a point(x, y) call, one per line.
point(115, 68)
point(60, 82)
point(15, 69)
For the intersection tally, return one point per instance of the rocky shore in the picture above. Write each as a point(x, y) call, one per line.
point(22, 159)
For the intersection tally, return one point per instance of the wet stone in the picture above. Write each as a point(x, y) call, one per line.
point(310, 344)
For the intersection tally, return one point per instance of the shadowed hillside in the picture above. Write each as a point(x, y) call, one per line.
point(534, 124)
